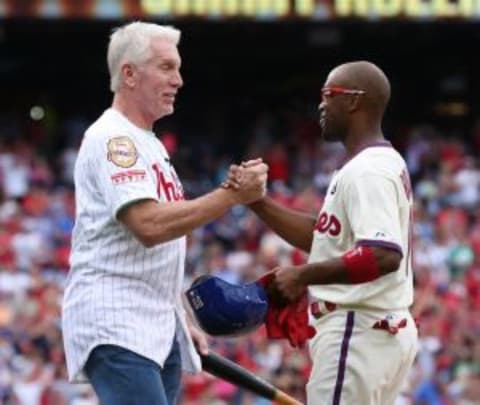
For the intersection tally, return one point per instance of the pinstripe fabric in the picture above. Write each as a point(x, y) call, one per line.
point(118, 291)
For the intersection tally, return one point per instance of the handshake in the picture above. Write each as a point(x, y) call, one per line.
point(248, 181)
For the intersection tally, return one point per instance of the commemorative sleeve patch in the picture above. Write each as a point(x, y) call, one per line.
point(129, 176)
point(122, 151)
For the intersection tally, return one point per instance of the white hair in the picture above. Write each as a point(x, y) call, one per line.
point(131, 44)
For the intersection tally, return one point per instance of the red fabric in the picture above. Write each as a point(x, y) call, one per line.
point(385, 324)
point(266, 279)
point(288, 322)
point(195, 386)
point(361, 265)
point(36, 203)
point(298, 257)
point(277, 160)
point(452, 218)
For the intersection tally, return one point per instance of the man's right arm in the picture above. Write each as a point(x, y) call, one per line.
point(293, 226)
point(154, 222)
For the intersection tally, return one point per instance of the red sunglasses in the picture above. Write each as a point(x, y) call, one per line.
point(333, 91)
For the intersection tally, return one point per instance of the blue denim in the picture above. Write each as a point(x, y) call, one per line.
point(122, 377)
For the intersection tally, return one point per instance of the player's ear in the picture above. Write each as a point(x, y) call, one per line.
point(129, 74)
point(353, 102)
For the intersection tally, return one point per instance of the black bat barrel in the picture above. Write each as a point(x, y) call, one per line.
point(233, 373)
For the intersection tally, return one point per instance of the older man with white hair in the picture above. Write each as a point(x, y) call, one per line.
point(124, 324)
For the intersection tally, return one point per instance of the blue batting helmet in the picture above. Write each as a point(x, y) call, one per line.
point(224, 309)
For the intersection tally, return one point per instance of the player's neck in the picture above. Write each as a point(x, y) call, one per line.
point(127, 107)
point(360, 138)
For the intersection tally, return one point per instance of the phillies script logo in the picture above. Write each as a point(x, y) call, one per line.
point(328, 224)
point(171, 189)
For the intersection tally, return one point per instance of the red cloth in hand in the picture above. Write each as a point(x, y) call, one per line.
point(288, 321)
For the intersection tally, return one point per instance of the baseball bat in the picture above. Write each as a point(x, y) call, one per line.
point(229, 371)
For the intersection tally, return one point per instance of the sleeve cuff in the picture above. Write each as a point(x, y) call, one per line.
point(380, 243)
point(124, 204)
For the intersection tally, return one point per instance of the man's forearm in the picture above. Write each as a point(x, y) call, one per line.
point(154, 222)
point(295, 227)
point(336, 271)
point(175, 220)
point(327, 272)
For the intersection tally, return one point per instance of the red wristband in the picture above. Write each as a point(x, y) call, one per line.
point(361, 265)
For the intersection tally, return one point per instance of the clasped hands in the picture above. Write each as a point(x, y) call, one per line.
point(249, 181)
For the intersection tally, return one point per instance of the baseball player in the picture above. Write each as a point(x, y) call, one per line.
point(124, 323)
point(359, 274)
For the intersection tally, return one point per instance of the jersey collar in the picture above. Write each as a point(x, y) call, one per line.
point(383, 143)
point(130, 123)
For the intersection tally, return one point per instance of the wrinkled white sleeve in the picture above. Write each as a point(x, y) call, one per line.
point(371, 204)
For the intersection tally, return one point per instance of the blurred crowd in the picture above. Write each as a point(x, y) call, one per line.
point(37, 216)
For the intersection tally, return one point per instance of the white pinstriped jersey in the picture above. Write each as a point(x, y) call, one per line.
point(119, 292)
point(368, 202)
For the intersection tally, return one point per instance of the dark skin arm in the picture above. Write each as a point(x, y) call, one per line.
point(292, 281)
point(297, 228)
point(293, 226)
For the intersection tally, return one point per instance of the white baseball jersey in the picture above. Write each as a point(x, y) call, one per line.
point(368, 202)
point(119, 292)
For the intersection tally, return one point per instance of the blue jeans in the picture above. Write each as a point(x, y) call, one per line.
point(122, 377)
